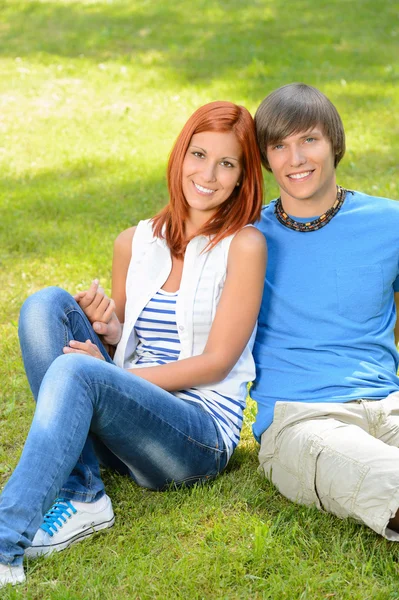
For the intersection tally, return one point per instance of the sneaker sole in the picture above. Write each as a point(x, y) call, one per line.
point(34, 552)
point(13, 580)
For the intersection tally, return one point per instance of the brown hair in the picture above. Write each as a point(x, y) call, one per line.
point(294, 108)
point(244, 204)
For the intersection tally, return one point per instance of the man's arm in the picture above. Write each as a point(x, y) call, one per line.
point(397, 318)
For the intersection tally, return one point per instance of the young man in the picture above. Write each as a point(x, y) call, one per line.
point(327, 387)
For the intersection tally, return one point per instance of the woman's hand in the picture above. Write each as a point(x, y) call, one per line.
point(86, 347)
point(95, 303)
point(100, 310)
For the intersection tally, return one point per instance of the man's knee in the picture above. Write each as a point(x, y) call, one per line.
point(306, 455)
point(292, 465)
point(337, 467)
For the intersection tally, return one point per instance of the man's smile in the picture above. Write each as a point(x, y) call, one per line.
point(300, 176)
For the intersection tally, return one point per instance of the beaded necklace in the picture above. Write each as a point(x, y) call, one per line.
point(316, 223)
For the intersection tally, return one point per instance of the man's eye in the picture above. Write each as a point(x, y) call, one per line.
point(310, 139)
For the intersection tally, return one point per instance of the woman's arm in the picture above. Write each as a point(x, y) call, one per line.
point(106, 314)
point(120, 266)
point(233, 324)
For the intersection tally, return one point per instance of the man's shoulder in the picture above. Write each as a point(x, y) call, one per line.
point(374, 203)
point(266, 216)
point(268, 209)
point(357, 205)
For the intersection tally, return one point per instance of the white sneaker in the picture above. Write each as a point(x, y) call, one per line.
point(13, 575)
point(68, 522)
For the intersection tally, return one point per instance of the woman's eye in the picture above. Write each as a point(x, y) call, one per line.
point(198, 154)
point(226, 163)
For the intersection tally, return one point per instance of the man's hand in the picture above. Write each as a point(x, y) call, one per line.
point(100, 310)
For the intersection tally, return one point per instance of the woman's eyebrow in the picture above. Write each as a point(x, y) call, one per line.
point(205, 152)
point(198, 147)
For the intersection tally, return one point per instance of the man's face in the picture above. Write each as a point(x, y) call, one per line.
point(303, 165)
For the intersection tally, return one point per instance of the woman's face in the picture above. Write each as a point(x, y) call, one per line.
point(212, 168)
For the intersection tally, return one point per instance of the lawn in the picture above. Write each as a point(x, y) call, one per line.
point(92, 96)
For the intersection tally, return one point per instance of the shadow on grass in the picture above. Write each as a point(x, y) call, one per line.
point(78, 208)
point(82, 208)
point(262, 43)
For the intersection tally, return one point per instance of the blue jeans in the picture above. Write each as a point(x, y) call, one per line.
point(89, 410)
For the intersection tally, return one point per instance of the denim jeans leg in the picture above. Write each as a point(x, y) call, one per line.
point(49, 319)
point(160, 438)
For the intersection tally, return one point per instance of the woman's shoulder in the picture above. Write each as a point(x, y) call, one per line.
point(247, 247)
point(135, 237)
point(248, 239)
point(125, 238)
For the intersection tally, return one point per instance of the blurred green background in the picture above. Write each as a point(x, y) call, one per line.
point(92, 95)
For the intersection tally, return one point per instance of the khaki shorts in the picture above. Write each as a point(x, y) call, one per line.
point(342, 458)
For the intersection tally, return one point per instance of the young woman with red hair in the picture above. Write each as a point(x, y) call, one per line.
point(168, 408)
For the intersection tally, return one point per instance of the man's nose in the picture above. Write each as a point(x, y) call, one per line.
point(297, 156)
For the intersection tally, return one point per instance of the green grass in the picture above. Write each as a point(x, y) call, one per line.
point(92, 95)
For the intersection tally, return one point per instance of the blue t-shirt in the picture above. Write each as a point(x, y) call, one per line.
point(326, 325)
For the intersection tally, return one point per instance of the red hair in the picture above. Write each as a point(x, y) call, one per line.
point(244, 204)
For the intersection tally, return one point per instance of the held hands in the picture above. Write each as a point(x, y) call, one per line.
point(100, 310)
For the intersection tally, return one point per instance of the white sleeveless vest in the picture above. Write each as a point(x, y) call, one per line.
point(201, 286)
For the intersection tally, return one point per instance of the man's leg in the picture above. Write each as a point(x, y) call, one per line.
point(321, 454)
point(383, 417)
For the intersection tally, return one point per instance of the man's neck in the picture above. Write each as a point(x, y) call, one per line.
point(309, 207)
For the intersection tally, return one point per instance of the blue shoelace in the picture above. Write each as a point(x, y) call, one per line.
point(58, 514)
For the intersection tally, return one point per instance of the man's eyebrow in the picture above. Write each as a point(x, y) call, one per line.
point(302, 133)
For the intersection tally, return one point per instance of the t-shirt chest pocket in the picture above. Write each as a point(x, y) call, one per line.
point(359, 291)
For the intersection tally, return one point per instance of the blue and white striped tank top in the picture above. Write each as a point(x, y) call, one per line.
point(159, 344)
point(156, 330)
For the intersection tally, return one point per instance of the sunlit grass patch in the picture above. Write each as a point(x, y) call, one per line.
point(92, 95)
